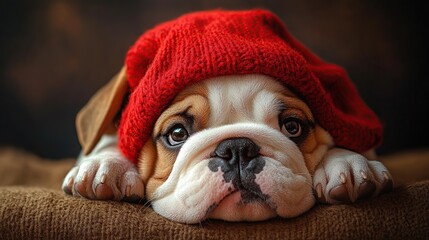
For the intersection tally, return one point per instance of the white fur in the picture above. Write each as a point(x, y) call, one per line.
point(243, 98)
point(105, 160)
point(341, 161)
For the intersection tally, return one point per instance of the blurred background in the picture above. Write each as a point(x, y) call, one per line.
point(55, 54)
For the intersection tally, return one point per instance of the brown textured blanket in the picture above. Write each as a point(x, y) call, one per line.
point(33, 206)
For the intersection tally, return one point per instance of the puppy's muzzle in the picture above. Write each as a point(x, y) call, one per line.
point(239, 159)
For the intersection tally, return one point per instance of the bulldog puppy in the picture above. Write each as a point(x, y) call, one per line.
point(224, 115)
point(237, 148)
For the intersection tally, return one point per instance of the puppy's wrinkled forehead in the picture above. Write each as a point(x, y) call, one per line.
point(240, 98)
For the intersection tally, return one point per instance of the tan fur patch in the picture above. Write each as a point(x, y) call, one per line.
point(317, 142)
point(147, 159)
point(155, 155)
point(315, 147)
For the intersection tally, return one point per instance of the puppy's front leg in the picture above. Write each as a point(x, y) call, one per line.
point(344, 176)
point(105, 174)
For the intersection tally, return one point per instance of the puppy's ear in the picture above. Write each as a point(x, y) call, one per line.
point(97, 116)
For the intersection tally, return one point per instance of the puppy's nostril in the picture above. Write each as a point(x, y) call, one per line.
point(224, 154)
point(251, 151)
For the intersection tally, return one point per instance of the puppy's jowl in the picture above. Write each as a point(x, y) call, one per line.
point(222, 114)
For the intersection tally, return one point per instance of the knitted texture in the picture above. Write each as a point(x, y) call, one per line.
point(202, 45)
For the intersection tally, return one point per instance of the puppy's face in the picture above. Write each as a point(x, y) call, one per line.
point(234, 148)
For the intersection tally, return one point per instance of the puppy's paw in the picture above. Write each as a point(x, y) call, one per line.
point(344, 176)
point(105, 177)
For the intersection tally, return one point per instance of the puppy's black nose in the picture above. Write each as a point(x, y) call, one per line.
point(240, 161)
point(234, 150)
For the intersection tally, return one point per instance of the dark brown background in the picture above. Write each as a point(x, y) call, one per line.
point(55, 54)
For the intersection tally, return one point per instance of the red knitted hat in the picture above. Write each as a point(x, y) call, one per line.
point(207, 44)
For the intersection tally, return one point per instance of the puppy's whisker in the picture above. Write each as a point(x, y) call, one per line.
point(145, 205)
point(301, 174)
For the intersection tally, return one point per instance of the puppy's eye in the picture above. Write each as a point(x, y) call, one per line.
point(177, 135)
point(292, 127)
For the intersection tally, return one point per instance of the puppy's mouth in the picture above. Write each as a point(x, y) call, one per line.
point(246, 196)
point(245, 202)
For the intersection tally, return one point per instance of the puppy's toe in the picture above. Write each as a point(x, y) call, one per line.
point(68, 186)
point(102, 189)
point(81, 186)
point(319, 193)
point(366, 190)
point(84, 179)
point(340, 187)
point(381, 176)
point(132, 187)
point(387, 185)
point(319, 184)
point(105, 184)
point(68, 182)
point(340, 194)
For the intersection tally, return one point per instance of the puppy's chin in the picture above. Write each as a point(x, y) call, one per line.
point(201, 187)
point(232, 208)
